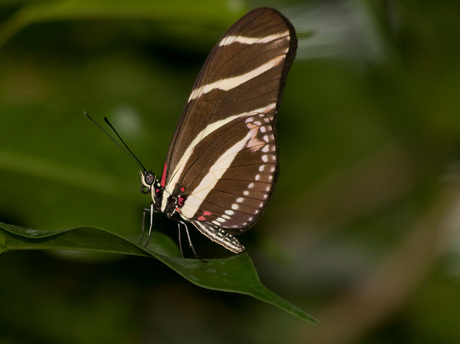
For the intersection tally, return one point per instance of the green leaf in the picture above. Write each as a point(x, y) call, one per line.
point(235, 274)
point(2, 244)
point(178, 12)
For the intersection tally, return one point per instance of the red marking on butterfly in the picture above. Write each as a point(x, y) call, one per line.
point(202, 217)
point(182, 189)
point(163, 176)
point(180, 201)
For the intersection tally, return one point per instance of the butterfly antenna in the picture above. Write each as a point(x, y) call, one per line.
point(125, 147)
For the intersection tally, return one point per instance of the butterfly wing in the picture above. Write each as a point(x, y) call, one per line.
point(223, 155)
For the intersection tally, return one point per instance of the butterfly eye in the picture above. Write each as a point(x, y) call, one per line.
point(149, 178)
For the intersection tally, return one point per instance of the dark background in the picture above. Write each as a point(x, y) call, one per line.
point(362, 231)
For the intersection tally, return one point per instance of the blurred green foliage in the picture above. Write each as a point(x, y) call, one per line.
point(363, 228)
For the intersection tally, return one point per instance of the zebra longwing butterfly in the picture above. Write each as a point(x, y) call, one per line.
point(222, 162)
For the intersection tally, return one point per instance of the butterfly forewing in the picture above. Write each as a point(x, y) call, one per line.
point(223, 155)
point(237, 78)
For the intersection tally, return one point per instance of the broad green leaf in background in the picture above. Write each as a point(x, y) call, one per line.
point(235, 274)
point(173, 14)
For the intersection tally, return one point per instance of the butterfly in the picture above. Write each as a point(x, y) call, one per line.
point(222, 163)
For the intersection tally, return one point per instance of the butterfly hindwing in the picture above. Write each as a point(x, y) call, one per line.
point(230, 187)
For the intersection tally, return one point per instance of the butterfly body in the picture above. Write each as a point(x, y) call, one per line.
point(222, 163)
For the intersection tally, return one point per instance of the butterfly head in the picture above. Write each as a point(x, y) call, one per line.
point(151, 184)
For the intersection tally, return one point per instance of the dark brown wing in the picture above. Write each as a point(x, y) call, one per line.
point(212, 100)
point(223, 157)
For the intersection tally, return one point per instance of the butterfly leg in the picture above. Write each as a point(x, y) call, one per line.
point(143, 223)
point(151, 211)
point(188, 238)
point(190, 241)
point(179, 240)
